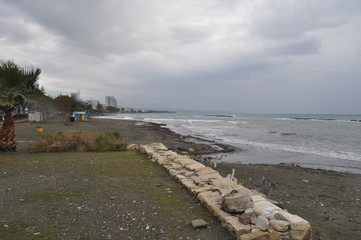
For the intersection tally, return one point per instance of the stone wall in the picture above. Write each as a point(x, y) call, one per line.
point(246, 214)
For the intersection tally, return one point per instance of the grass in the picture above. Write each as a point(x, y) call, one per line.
point(79, 141)
point(56, 193)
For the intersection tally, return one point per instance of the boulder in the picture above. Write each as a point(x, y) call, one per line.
point(236, 202)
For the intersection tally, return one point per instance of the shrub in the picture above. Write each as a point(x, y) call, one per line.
point(109, 141)
point(77, 141)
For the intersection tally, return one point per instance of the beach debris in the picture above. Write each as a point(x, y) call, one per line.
point(199, 223)
point(272, 186)
point(236, 201)
point(306, 181)
point(264, 179)
point(231, 176)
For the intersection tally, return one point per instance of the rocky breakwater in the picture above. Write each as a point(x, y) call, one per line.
point(245, 213)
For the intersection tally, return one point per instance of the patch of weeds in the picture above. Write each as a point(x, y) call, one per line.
point(109, 141)
point(68, 141)
point(78, 141)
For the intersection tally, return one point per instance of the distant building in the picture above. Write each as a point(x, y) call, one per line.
point(111, 101)
point(75, 96)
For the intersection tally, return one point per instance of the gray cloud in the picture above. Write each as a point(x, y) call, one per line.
point(245, 56)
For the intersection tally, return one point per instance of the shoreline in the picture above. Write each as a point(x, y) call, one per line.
point(329, 200)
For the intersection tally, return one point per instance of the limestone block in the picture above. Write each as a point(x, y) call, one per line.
point(274, 235)
point(279, 225)
point(235, 226)
point(300, 229)
point(159, 147)
point(256, 234)
point(261, 223)
point(195, 166)
point(236, 202)
point(198, 190)
point(173, 172)
point(224, 183)
point(188, 183)
point(210, 200)
point(229, 189)
point(176, 166)
point(258, 198)
point(133, 147)
point(199, 180)
point(217, 211)
point(209, 197)
point(185, 161)
point(260, 205)
point(204, 171)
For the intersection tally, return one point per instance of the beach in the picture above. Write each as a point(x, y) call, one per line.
point(329, 200)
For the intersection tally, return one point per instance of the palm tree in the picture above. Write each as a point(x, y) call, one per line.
point(16, 86)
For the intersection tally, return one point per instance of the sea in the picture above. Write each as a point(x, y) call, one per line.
point(330, 142)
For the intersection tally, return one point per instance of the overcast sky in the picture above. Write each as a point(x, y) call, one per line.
point(257, 56)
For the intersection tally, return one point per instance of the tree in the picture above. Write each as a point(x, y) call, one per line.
point(66, 104)
point(112, 109)
point(17, 84)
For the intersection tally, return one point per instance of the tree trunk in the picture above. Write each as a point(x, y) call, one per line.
point(7, 135)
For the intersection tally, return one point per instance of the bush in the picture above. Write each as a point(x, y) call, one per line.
point(109, 141)
point(77, 141)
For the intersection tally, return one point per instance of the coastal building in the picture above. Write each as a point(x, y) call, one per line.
point(111, 101)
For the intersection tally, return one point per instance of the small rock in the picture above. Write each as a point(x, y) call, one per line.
point(199, 223)
point(261, 223)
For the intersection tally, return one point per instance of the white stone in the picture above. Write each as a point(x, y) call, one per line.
point(260, 205)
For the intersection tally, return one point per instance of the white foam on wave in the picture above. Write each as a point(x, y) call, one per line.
point(180, 120)
point(116, 117)
point(280, 147)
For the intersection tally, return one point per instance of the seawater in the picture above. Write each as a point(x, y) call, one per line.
point(331, 142)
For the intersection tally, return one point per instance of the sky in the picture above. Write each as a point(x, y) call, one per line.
point(251, 56)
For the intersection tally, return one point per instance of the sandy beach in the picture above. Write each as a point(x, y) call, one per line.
point(329, 200)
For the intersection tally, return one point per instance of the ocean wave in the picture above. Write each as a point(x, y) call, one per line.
point(287, 148)
point(180, 120)
point(116, 117)
point(320, 119)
